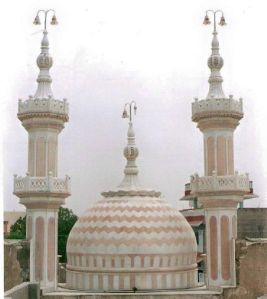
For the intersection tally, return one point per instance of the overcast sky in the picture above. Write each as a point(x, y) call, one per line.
point(154, 52)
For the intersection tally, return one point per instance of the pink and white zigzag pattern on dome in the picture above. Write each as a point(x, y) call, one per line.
point(131, 241)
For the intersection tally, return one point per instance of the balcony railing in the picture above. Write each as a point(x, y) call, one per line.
point(226, 105)
point(212, 183)
point(51, 184)
point(43, 105)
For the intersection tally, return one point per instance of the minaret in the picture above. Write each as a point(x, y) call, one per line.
point(41, 191)
point(222, 188)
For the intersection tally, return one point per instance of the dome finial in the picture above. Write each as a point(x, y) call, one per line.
point(215, 61)
point(130, 185)
point(130, 152)
point(44, 60)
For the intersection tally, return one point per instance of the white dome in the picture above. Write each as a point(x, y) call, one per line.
point(126, 242)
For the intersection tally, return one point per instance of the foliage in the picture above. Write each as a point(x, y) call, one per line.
point(66, 220)
point(18, 229)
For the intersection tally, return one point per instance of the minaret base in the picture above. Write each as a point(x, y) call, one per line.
point(42, 231)
point(221, 226)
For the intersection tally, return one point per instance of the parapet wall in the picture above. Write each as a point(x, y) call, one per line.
point(252, 223)
point(251, 261)
point(17, 262)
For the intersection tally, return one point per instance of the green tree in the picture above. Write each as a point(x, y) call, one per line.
point(18, 229)
point(66, 220)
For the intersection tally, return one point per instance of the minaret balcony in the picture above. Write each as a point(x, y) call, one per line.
point(25, 186)
point(229, 184)
point(44, 105)
point(217, 107)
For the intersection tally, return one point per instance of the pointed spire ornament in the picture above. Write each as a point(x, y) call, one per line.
point(130, 181)
point(130, 185)
point(215, 61)
point(44, 60)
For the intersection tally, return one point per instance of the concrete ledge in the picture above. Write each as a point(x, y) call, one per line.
point(200, 293)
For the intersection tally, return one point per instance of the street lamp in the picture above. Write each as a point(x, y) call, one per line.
point(125, 113)
point(37, 18)
point(214, 12)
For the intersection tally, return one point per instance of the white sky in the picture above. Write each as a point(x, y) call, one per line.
point(154, 52)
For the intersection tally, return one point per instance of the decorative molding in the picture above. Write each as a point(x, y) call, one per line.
point(45, 107)
point(142, 193)
point(214, 183)
point(217, 107)
point(41, 185)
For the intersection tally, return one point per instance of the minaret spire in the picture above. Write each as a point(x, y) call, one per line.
point(215, 61)
point(44, 62)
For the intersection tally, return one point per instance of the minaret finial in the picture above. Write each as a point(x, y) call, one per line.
point(130, 152)
point(44, 60)
point(215, 61)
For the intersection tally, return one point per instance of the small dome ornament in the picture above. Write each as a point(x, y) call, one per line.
point(215, 62)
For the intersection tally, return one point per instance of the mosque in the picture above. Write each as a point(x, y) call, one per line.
point(132, 242)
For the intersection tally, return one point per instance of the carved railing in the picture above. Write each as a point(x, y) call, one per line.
point(43, 105)
point(208, 105)
point(212, 183)
point(41, 184)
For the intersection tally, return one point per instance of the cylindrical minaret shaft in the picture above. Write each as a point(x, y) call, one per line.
point(218, 152)
point(43, 152)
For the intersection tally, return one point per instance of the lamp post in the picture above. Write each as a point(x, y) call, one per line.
point(214, 13)
point(125, 113)
point(46, 12)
